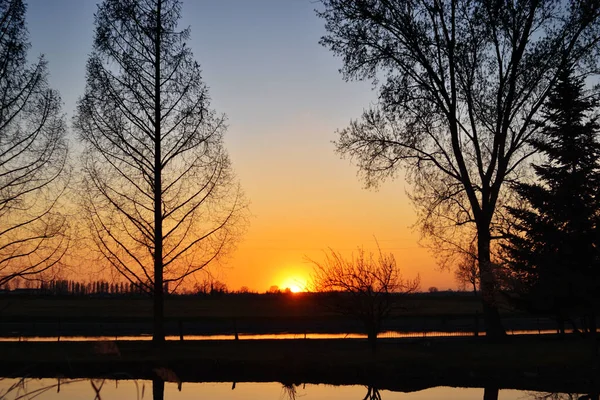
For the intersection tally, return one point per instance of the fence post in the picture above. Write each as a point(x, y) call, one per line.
point(181, 330)
point(235, 329)
point(476, 328)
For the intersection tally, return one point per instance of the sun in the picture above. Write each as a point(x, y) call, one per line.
point(295, 288)
point(295, 284)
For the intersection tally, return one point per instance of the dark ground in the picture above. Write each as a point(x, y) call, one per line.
point(219, 306)
point(527, 363)
point(545, 363)
point(226, 314)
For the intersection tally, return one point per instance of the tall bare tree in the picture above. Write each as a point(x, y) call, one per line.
point(33, 154)
point(460, 85)
point(160, 195)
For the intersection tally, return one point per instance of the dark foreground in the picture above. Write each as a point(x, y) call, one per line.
point(243, 313)
point(526, 363)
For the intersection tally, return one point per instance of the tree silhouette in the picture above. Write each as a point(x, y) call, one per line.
point(554, 246)
point(33, 153)
point(466, 272)
point(365, 286)
point(160, 196)
point(372, 393)
point(460, 86)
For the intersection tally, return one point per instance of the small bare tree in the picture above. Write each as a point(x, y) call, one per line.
point(365, 286)
point(33, 154)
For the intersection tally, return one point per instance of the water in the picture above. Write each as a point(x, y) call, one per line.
point(48, 389)
point(242, 336)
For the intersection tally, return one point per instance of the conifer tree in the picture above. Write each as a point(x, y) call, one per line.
point(553, 252)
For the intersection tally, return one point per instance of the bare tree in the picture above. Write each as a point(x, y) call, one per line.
point(33, 154)
point(372, 393)
point(466, 273)
point(289, 391)
point(244, 290)
point(460, 88)
point(274, 289)
point(365, 286)
point(160, 195)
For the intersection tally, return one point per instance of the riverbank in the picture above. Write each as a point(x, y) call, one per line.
point(225, 306)
point(527, 363)
point(226, 314)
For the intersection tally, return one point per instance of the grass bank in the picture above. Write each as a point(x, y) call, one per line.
point(250, 305)
point(527, 363)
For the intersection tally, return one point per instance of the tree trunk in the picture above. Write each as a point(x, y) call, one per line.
point(158, 334)
point(490, 393)
point(158, 389)
point(592, 323)
point(372, 329)
point(561, 325)
point(491, 316)
point(372, 339)
point(159, 329)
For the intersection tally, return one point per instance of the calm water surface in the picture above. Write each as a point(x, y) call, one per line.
point(46, 389)
point(244, 336)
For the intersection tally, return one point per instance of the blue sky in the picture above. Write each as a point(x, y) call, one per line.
point(284, 99)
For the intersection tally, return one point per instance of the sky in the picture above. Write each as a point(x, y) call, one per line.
point(284, 100)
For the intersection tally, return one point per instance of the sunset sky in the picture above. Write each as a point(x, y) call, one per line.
point(284, 99)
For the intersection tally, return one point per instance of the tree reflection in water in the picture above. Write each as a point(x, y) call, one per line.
point(290, 390)
point(372, 393)
point(28, 388)
point(158, 389)
point(21, 389)
point(97, 386)
point(564, 396)
point(490, 393)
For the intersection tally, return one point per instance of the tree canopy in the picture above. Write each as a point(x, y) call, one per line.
point(33, 156)
point(460, 87)
point(161, 198)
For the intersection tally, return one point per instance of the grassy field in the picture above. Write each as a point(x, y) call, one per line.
point(569, 365)
point(223, 306)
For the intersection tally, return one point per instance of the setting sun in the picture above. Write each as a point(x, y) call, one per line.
point(295, 284)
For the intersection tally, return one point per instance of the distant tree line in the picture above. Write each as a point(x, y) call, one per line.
point(73, 288)
point(206, 287)
point(70, 287)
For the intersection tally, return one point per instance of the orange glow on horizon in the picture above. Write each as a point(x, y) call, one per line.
point(295, 284)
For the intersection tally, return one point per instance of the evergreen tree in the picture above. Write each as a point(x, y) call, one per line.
point(553, 252)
